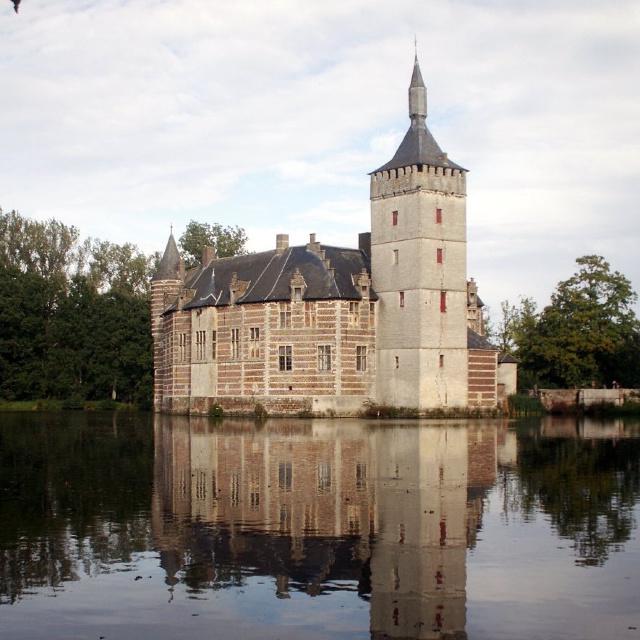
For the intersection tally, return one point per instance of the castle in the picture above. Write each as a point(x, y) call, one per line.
point(323, 330)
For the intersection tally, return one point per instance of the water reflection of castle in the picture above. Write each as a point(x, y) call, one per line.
point(315, 503)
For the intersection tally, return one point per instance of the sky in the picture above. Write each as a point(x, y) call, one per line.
point(123, 117)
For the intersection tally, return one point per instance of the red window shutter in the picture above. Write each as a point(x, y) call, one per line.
point(439, 256)
point(394, 218)
point(438, 216)
point(443, 301)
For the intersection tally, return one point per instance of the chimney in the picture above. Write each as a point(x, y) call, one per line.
point(208, 255)
point(312, 238)
point(364, 243)
point(282, 242)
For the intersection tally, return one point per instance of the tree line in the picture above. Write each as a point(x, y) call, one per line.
point(74, 314)
point(588, 335)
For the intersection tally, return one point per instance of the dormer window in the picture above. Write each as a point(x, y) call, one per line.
point(365, 291)
point(297, 294)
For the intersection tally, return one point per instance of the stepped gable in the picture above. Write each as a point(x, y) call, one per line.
point(269, 275)
point(476, 341)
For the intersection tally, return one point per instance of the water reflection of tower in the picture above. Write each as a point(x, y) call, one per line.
point(418, 560)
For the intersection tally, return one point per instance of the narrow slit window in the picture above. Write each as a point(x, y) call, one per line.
point(394, 218)
point(441, 361)
point(401, 299)
point(396, 256)
point(439, 256)
point(438, 216)
point(443, 301)
point(214, 345)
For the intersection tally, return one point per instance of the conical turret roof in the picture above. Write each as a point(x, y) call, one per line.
point(418, 147)
point(169, 267)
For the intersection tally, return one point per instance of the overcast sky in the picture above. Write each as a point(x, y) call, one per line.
point(125, 116)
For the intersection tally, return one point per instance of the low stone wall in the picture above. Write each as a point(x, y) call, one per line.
point(563, 400)
point(318, 406)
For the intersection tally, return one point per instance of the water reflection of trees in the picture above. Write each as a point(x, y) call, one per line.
point(75, 497)
point(588, 487)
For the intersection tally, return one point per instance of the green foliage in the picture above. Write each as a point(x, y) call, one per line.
point(522, 406)
point(216, 411)
point(228, 241)
point(588, 335)
point(74, 319)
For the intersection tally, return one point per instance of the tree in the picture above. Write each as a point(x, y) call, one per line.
point(120, 267)
point(583, 335)
point(228, 241)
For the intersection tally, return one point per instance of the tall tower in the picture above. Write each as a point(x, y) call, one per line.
point(166, 284)
point(419, 268)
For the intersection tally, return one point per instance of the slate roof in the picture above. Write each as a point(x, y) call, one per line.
point(169, 267)
point(269, 275)
point(419, 147)
point(507, 357)
point(476, 341)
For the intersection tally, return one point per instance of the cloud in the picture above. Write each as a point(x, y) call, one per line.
point(121, 116)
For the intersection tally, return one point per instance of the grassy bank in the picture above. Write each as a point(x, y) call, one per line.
point(610, 410)
point(64, 405)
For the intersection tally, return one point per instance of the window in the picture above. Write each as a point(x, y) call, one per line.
point(324, 357)
point(394, 218)
point(297, 294)
point(324, 477)
point(309, 314)
point(396, 256)
point(201, 345)
point(439, 256)
point(361, 358)
point(438, 216)
point(285, 475)
point(441, 361)
point(254, 493)
point(284, 358)
point(443, 301)
point(235, 489)
point(401, 298)
point(285, 315)
point(235, 344)
point(354, 313)
point(364, 290)
point(372, 314)
point(254, 342)
point(361, 475)
point(214, 345)
point(397, 362)
point(182, 347)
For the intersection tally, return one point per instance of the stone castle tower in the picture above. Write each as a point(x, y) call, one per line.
point(166, 285)
point(418, 264)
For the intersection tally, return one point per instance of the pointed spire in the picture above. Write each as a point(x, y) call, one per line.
point(417, 93)
point(418, 146)
point(169, 267)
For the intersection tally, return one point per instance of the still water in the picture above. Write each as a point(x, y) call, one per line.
point(132, 527)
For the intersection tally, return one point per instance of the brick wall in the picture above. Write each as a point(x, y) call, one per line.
point(483, 367)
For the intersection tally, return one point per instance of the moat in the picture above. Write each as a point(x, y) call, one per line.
point(137, 526)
